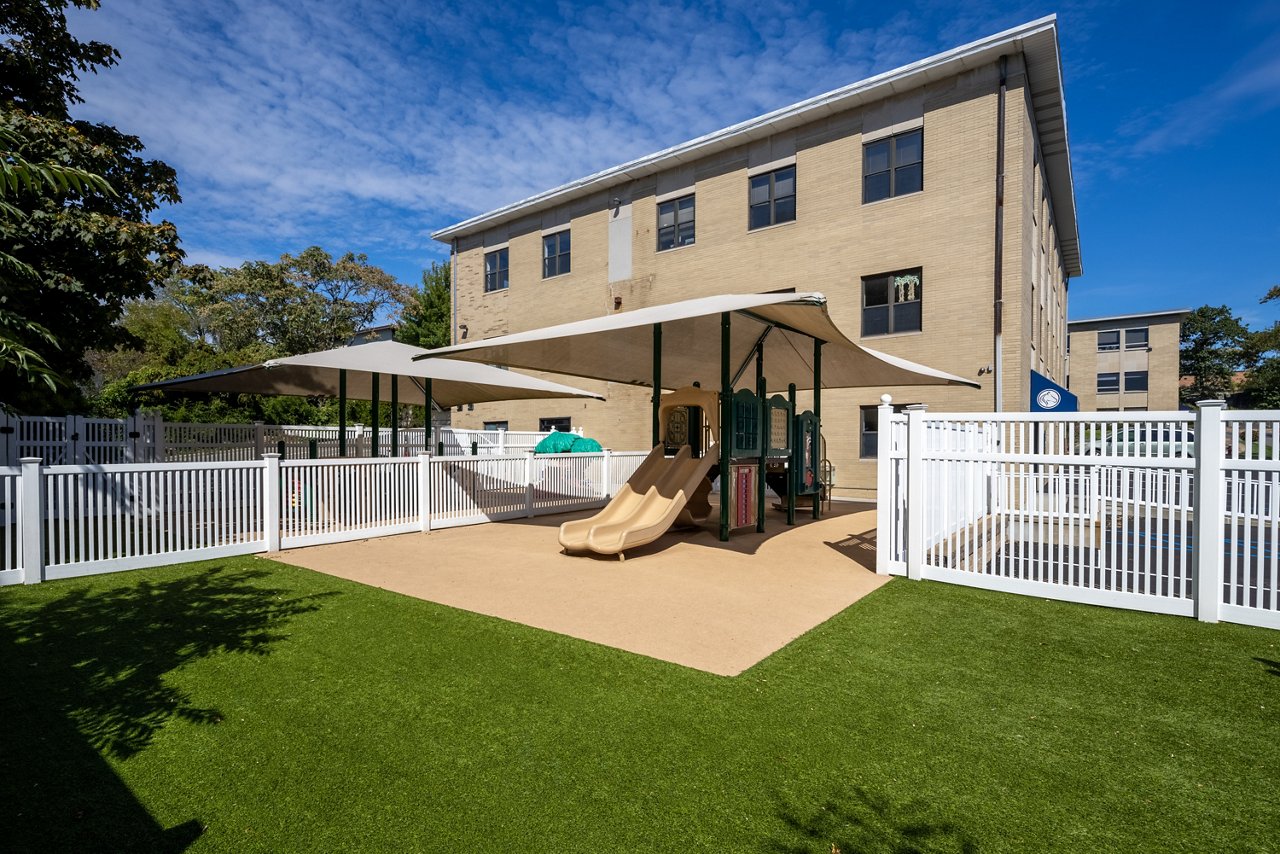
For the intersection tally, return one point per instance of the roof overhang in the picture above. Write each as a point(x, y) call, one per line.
point(1037, 41)
point(1166, 315)
point(619, 347)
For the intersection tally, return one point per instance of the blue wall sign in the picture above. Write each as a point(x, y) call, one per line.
point(1048, 396)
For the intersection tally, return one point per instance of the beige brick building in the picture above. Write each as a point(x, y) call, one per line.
point(932, 205)
point(1126, 363)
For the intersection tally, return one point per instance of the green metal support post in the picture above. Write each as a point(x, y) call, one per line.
point(342, 413)
point(726, 411)
point(793, 474)
point(817, 414)
point(373, 443)
point(395, 415)
point(657, 382)
point(764, 439)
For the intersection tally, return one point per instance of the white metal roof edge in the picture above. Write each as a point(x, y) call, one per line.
point(845, 96)
point(1164, 313)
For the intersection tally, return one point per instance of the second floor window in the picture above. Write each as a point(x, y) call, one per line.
point(496, 275)
point(891, 302)
point(772, 198)
point(893, 166)
point(555, 254)
point(675, 223)
point(1109, 340)
point(1135, 380)
point(1108, 383)
point(1136, 339)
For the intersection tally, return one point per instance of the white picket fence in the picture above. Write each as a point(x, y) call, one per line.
point(63, 521)
point(146, 438)
point(1172, 513)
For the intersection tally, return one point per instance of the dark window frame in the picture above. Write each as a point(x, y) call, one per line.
point(771, 204)
point(1146, 338)
point(497, 277)
point(675, 231)
point(559, 262)
point(1134, 378)
point(863, 432)
point(894, 168)
point(1109, 348)
point(893, 303)
point(1112, 387)
point(493, 425)
point(556, 422)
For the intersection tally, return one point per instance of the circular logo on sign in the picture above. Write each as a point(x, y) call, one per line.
point(1048, 399)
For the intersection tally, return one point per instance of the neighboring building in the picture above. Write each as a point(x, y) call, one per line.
point(385, 332)
point(1126, 363)
point(933, 205)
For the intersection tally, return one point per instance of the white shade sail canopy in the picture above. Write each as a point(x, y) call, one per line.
point(452, 382)
point(619, 347)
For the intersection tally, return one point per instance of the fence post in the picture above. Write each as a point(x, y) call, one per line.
point(424, 491)
point(157, 439)
point(8, 437)
point(528, 484)
point(271, 499)
point(75, 438)
point(915, 489)
point(607, 478)
point(31, 521)
point(885, 505)
point(502, 442)
point(257, 439)
point(1208, 509)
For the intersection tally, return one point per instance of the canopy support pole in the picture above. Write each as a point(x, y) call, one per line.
point(726, 413)
point(342, 412)
point(657, 382)
point(756, 350)
point(373, 442)
point(764, 439)
point(793, 471)
point(395, 416)
point(817, 416)
point(427, 447)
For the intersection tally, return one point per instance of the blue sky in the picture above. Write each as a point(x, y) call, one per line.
point(365, 126)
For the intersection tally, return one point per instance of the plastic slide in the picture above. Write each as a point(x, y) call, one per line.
point(652, 501)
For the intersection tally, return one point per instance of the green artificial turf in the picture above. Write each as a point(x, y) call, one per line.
point(242, 705)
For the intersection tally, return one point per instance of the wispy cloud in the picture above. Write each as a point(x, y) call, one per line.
point(366, 126)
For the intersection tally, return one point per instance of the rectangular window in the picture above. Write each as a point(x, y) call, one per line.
point(1109, 340)
point(868, 430)
point(891, 303)
point(496, 275)
point(1135, 380)
point(546, 425)
point(772, 198)
point(1136, 339)
point(495, 425)
point(555, 254)
point(893, 166)
point(1108, 383)
point(675, 223)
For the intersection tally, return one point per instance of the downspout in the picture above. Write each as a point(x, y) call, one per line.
point(453, 289)
point(998, 306)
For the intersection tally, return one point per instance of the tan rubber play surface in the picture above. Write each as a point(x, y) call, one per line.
point(686, 598)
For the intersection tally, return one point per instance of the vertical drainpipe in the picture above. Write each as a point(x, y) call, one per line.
point(998, 307)
point(453, 289)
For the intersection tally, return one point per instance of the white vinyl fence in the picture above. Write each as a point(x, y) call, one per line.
point(146, 438)
point(62, 521)
point(1171, 512)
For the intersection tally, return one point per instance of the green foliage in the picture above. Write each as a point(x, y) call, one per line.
point(77, 241)
point(1261, 388)
point(1214, 346)
point(426, 318)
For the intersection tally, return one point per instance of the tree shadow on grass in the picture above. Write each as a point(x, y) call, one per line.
point(84, 676)
point(1273, 667)
point(859, 822)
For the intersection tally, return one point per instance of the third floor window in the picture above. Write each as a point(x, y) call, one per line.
point(675, 223)
point(555, 254)
point(496, 274)
point(772, 198)
point(893, 166)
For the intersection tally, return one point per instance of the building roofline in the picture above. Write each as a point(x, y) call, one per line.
point(1037, 39)
point(1181, 312)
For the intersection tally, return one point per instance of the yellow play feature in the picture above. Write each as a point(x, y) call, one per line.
point(665, 490)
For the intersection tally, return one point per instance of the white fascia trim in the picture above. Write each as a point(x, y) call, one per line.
point(1118, 317)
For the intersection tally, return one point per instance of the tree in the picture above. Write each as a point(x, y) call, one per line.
point(1261, 388)
point(425, 321)
point(83, 251)
point(1213, 348)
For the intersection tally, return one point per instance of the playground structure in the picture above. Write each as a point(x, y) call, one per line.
point(671, 487)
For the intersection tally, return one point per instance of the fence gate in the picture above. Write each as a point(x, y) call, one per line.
point(1088, 507)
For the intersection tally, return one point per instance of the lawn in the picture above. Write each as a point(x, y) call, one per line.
point(243, 705)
